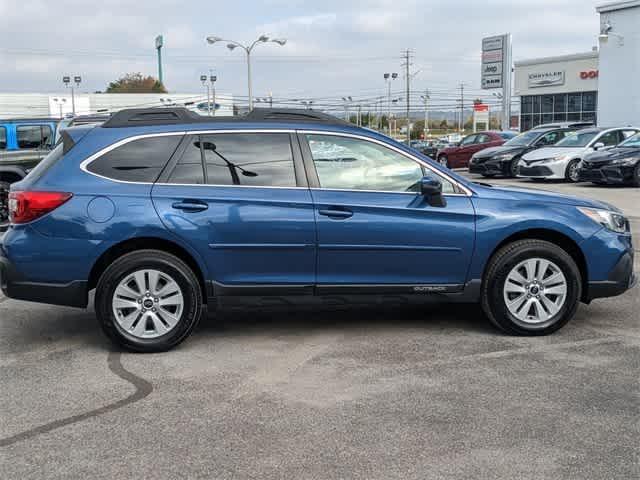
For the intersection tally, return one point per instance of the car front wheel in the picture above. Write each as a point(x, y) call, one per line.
point(531, 287)
point(636, 176)
point(571, 173)
point(148, 301)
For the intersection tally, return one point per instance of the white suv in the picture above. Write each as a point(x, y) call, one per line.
point(561, 161)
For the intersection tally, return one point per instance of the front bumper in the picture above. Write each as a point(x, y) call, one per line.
point(13, 285)
point(486, 167)
point(606, 174)
point(621, 278)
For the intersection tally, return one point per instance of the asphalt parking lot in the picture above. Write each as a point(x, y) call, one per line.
point(408, 392)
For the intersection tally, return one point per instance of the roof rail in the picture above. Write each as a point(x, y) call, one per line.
point(132, 117)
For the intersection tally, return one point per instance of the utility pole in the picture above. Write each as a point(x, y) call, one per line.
point(203, 79)
point(212, 80)
point(407, 64)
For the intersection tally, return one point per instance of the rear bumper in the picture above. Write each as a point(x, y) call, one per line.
point(72, 294)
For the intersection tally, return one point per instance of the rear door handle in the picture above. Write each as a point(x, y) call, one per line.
point(334, 213)
point(190, 206)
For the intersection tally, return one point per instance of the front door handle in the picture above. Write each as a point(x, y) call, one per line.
point(334, 213)
point(190, 206)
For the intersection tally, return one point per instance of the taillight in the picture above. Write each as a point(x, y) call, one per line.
point(27, 206)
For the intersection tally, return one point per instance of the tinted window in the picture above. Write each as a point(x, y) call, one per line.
point(551, 138)
point(351, 164)
point(253, 159)
point(468, 140)
point(483, 138)
point(609, 139)
point(140, 160)
point(581, 138)
point(189, 169)
point(34, 136)
point(3, 138)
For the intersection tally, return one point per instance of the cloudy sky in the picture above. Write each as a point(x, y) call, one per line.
point(334, 47)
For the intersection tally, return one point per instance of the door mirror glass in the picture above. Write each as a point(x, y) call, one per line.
point(431, 189)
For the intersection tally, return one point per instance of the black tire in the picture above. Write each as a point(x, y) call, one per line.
point(503, 261)
point(488, 175)
point(512, 170)
point(571, 173)
point(636, 176)
point(167, 264)
point(443, 160)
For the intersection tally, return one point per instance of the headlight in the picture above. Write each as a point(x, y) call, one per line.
point(505, 157)
point(560, 158)
point(624, 161)
point(611, 220)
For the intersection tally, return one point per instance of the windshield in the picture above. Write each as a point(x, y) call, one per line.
point(633, 142)
point(522, 140)
point(578, 139)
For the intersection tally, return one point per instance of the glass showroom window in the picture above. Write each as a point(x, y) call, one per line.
point(538, 109)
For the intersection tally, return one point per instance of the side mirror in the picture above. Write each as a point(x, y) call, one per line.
point(431, 189)
point(598, 146)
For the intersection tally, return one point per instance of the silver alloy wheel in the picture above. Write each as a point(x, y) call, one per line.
point(535, 290)
point(147, 304)
point(573, 171)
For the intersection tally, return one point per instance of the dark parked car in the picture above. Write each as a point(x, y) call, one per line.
point(458, 156)
point(503, 160)
point(617, 165)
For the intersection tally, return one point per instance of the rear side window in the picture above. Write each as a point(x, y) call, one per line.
point(34, 136)
point(140, 160)
point(252, 159)
point(189, 169)
point(3, 138)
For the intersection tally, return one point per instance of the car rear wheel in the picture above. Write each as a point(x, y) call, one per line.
point(443, 160)
point(513, 168)
point(148, 301)
point(531, 287)
point(571, 174)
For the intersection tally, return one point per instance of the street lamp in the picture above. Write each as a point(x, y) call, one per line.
point(426, 98)
point(60, 102)
point(232, 45)
point(77, 79)
point(347, 101)
point(388, 77)
point(307, 103)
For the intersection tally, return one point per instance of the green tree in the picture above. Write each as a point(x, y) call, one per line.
point(136, 83)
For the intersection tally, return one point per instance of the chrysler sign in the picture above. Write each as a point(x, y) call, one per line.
point(546, 79)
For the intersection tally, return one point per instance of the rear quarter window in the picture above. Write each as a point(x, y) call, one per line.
point(139, 160)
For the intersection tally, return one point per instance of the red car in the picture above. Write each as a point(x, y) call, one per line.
point(458, 156)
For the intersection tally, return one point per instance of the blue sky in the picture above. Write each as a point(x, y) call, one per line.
point(334, 47)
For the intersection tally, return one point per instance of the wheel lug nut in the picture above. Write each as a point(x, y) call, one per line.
point(139, 300)
point(156, 300)
point(153, 310)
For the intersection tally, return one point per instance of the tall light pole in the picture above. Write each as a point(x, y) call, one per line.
point(77, 79)
point(203, 79)
point(212, 80)
point(159, 45)
point(426, 97)
point(347, 101)
point(60, 102)
point(232, 45)
point(388, 77)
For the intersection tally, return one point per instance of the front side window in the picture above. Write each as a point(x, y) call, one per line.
point(609, 139)
point(140, 160)
point(483, 138)
point(344, 163)
point(34, 136)
point(468, 140)
point(3, 138)
point(581, 138)
point(252, 159)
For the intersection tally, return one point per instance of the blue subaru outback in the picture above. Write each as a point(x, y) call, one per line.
point(161, 211)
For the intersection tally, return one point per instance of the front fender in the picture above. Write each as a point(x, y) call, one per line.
point(497, 220)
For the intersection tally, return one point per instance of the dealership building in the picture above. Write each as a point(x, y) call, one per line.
point(598, 86)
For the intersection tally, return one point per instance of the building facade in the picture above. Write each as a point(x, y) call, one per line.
point(619, 95)
point(557, 89)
